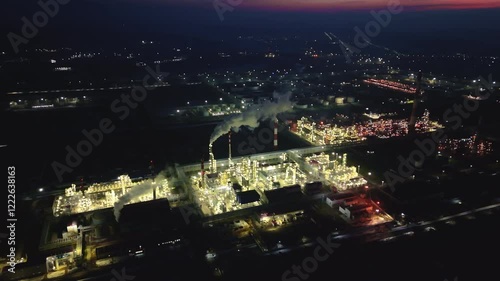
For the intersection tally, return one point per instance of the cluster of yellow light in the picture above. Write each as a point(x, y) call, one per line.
point(103, 195)
point(280, 175)
point(218, 200)
point(270, 221)
point(336, 171)
point(214, 193)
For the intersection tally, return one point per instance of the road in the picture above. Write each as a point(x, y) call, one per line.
point(407, 229)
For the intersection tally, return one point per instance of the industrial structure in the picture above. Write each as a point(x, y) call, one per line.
point(227, 185)
point(235, 184)
point(334, 169)
point(104, 195)
point(239, 183)
point(332, 134)
point(471, 146)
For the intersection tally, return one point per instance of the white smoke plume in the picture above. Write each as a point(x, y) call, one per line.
point(135, 192)
point(253, 116)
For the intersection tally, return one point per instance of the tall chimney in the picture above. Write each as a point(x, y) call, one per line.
point(213, 164)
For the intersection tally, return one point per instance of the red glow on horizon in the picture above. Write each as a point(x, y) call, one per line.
point(351, 5)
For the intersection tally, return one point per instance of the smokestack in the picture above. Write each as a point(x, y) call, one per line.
point(229, 158)
point(276, 134)
point(252, 117)
point(213, 164)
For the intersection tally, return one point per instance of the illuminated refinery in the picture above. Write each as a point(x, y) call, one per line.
point(331, 134)
point(234, 184)
point(104, 195)
point(334, 169)
point(471, 146)
point(273, 140)
point(226, 185)
point(240, 183)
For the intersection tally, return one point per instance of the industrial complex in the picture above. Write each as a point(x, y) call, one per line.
point(234, 187)
point(331, 134)
point(220, 188)
point(245, 159)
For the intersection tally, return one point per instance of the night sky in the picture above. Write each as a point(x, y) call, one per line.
point(345, 5)
point(459, 22)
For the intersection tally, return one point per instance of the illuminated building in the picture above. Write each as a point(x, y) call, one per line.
point(335, 171)
point(104, 195)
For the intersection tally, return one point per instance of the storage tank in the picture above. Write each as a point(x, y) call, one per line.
point(339, 100)
point(350, 99)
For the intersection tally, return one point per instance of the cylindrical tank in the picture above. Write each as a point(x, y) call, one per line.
point(339, 100)
point(350, 99)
